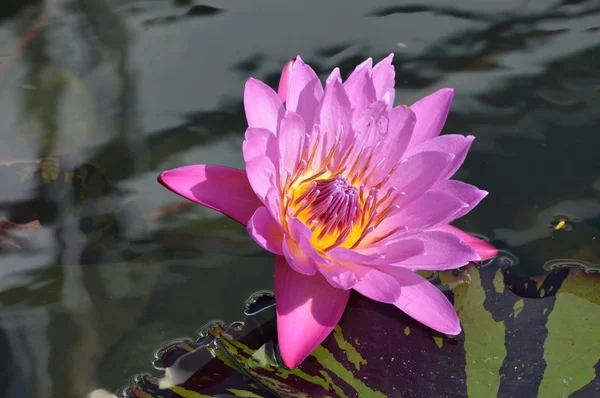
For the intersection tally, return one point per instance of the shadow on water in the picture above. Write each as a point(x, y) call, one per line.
point(99, 264)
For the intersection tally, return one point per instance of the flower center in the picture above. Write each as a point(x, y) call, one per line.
point(342, 200)
point(337, 212)
point(331, 208)
point(335, 204)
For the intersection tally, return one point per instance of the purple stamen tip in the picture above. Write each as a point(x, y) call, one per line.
point(337, 203)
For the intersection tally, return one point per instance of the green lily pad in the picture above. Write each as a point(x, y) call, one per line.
point(522, 336)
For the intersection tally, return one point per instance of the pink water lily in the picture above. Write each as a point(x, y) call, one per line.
point(350, 193)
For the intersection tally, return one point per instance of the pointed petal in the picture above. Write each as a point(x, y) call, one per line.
point(431, 112)
point(333, 114)
point(304, 92)
point(223, 189)
point(454, 144)
point(401, 122)
point(308, 309)
point(424, 302)
point(431, 210)
point(467, 193)
point(368, 131)
point(415, 175)
point(379, 286)
point(284, 80)
point(441, 251)
point(360, 89)
point(265, 231)
point(334, 75)
point(263, 106)
point(259, 142)
point(484, 249)
point(291, 142)
point(379, 255)
point(384, 79)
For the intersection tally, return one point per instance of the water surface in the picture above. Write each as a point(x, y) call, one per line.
point(114, 92)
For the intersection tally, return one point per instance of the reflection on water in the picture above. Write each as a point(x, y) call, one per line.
point(109, 93)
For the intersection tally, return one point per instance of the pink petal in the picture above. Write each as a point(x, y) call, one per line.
point(401, 122)
point(272, 203)
point(265, 231)
point(259, 142)
point(369, 129)
point(291, 141)
point(262, 175)
point(334, 76)
point(338, 275)
point(297, 259)
point(454, 144)
point(302, 235)
point(308, 309)
point(381, 255)
point(467, 193)
point(360, 89)
point(334, 117)
point(384, 79)
point(424, 302)
point(379, 286)
point(484, 249)
point(304, 92)
point(431, 112)
point(224, 189)
point(415, 175)
point(431, 210)
point(263, 106)
point(342, 276)
point(441, 251)
point(284, 80)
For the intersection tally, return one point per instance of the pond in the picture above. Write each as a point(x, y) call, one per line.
point(100, 265)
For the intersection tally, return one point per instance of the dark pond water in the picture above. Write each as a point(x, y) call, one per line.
point(107, 265)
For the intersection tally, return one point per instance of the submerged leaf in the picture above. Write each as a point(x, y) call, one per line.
point(522, 337)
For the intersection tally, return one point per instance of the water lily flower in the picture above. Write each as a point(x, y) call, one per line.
point(350, 193)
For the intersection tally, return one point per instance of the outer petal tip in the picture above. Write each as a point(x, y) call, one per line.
point(284, 80)
point(251, 81)
point(445, 93)
point(455, 329)
point(431, 111)
point(221, 188)
point(483, 249)
point(262, 105)
point(162, 180)
point(444, 96)
point(159, 178)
